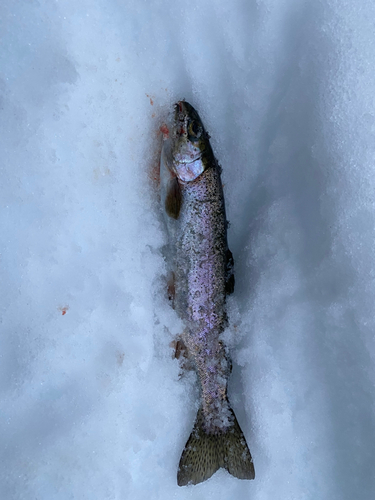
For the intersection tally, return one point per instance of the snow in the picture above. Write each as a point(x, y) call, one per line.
point(92, 405)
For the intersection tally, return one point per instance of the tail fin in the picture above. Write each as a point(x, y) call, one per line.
point(205, 453)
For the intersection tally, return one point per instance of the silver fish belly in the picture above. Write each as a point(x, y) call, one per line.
point(201, 263)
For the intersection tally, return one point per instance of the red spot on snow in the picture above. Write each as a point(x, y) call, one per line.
point(165, 131)
point(63, 310)
point(151, 100)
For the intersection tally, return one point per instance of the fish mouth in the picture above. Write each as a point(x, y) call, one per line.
point(182, 160)
point(180, 106)
point(184, 109)
point(181, 118)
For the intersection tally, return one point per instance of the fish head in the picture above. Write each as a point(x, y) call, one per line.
point(189, 142)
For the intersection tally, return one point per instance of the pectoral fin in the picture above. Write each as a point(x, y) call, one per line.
point(173, 198)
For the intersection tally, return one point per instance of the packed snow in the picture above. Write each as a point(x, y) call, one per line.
point(92, 402)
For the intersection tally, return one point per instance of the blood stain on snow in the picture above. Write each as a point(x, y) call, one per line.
point(63, 310)
point(165, 131)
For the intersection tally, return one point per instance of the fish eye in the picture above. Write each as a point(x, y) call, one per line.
point(194, 130)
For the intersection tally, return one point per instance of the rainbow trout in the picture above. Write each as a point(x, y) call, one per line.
point(202, 268)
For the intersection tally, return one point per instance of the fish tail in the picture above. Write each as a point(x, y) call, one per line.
point(205, 453)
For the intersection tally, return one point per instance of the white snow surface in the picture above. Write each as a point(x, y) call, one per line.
point(92, 405)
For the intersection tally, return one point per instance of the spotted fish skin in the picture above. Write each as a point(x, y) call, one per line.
point(192, 196)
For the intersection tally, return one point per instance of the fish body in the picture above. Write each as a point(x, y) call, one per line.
point(202, 266)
